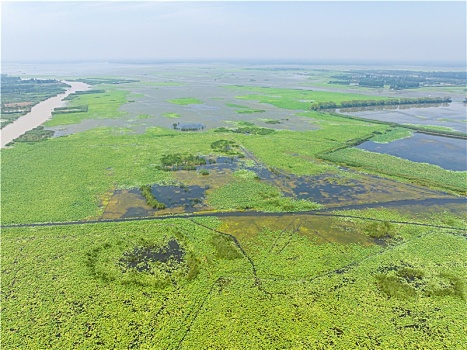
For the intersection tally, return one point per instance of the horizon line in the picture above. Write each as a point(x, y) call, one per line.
point(240, 60)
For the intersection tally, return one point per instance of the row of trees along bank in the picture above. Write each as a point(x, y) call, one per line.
point(390, 102)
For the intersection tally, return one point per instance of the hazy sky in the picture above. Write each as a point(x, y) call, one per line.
point(415, 31)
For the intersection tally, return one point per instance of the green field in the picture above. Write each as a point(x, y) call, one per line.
point(240, 235)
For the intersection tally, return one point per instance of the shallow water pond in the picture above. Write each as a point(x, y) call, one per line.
point(188, 197)
point(446, 152)
point(140, 258)
point(127, 204)
point(448, 115)
point(177, 199)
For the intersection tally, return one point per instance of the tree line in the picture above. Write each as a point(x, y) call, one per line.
point(390, 102)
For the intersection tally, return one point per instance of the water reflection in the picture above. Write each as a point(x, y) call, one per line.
point(391, 107)
point(188, 197)
point(450, 115)
point(446, 152)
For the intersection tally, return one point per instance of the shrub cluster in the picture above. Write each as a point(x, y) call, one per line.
point(150, 200)
point(178, 161)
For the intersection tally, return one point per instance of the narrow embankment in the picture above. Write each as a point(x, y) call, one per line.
point(321, 212)
point(416, 128)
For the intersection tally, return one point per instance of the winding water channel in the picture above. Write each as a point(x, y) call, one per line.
point(38, 114)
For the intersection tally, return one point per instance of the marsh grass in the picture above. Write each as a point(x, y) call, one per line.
point(380, 229)
point(409, 282)
point(272, 121)
point(80, 291)
point(250, 111)
point(81, 168)
point(410, 274)
point(234, 105)
point(248, 192)
point(309, 282)
point(101, 105)
point(246, 174)
point(392, 135)
point(143, 116)
point(394, 286)
point(421, 173)
point(225, 247)
point(446, 284)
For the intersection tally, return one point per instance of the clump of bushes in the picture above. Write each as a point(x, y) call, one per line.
point(250, 111)
point(445, 284)
point(73, 109)
point(249, 130)
point(35, 135)
point(380, 230)
point(178, 161)
point(150, 200)
point(246, 174)
point(226, 147)
point(193, 267)
point(394, 286)
point(407, 281)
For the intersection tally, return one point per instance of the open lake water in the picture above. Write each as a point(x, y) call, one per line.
point(446, 152)
point(451, 115)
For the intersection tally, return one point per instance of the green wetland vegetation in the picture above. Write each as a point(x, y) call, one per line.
point(265, 229)
point(99, 104)
point(385, 164)
point(35, 135)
